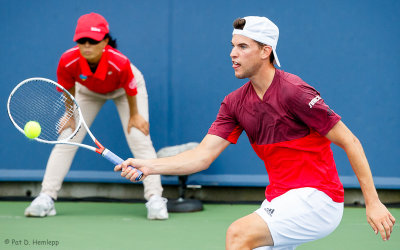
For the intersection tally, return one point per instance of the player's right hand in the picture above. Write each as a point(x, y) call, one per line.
point(130, 172)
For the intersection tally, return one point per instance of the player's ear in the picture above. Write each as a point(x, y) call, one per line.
point(266, 52)
point(107, 39)
point(105, 42)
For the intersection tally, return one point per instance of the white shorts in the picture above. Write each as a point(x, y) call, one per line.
point(299, 216)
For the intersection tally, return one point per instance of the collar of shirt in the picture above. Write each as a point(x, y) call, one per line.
point(101, 71)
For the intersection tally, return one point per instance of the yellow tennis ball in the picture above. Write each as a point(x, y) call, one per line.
point(32, 129)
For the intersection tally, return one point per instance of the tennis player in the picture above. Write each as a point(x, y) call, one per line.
point(290, 127)
point(94, 71)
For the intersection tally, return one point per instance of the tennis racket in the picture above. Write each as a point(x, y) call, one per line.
point(56, 110)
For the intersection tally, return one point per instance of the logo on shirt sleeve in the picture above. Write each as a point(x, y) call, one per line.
point(314, 101)
point(330, 112)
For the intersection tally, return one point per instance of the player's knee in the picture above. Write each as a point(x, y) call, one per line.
point(235, 237)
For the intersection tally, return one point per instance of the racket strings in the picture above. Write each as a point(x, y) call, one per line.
point(41, 101)
point(70, 112)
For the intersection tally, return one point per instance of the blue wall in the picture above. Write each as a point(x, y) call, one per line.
point(348, 50)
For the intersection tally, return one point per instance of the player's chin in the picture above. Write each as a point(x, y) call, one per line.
point(239, 75)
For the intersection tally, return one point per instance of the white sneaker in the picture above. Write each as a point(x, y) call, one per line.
point(41, 206)
point(157, 208)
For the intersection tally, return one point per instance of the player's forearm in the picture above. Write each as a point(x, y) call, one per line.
point(191, 161)
point(72, 91)
point(188, 162)
point(344, 138)
point(359, 163)
point(133, 110)
point(68, 101)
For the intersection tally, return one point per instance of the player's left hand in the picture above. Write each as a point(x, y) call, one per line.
point(380, 219)
point(66, 122)
point(140, 123)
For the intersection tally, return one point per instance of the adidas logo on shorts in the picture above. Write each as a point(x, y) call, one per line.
point(269, 211)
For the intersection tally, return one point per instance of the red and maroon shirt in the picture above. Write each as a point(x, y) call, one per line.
point(287, 130)
point(113, 72)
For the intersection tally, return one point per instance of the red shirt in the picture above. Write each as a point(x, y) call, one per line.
point(113, 72)
point(286, 129)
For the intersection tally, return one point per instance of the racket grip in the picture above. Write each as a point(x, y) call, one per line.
point(116, 160)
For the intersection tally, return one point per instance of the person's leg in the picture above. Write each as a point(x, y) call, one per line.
point(292, 247)
point(248, 232)
point(315, 217)
point(61, 157)
point(141, 146)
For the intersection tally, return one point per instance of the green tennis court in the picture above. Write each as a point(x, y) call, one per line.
point(100, 225)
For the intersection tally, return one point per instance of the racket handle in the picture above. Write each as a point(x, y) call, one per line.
point(116, 160)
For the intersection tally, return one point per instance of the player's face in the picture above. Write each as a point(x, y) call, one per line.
point(91, 51)
point(246, 56)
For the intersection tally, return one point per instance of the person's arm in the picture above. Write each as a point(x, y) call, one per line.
point(68, 121)
point(378, 216)
point(188, 162)
point(65, 78)
point(135, 119)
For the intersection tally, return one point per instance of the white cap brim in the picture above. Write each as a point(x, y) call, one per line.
point(276, 60)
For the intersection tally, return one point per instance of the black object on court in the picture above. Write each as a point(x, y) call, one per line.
point(181, 205)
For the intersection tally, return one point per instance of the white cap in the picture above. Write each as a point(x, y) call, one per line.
point(262, 30)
